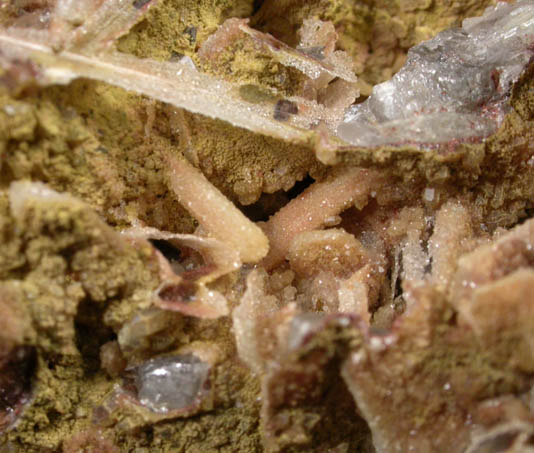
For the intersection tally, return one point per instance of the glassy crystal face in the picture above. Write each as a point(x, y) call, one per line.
point(301, 327)
point(453, 87)
point(171, 383)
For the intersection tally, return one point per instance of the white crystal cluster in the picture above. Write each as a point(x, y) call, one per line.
point(453, 87)
point(171, 383)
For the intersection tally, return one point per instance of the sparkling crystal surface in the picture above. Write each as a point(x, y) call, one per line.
point(171, 383)
point(453, 87)
point(301, 327)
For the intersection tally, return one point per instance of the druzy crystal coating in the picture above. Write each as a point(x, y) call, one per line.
point(167, 285)
point(171, 383)
point(453, 87)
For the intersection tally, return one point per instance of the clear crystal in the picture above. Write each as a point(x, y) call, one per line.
point(171, 383)
point(453, 87)
point(301, 327)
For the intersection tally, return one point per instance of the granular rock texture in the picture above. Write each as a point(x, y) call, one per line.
point(239, 226)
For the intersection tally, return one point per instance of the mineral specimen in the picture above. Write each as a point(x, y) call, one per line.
point(453, 87)
point(179, 272)
point(170, 383)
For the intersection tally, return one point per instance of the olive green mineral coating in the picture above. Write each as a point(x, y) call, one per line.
point(69, 282)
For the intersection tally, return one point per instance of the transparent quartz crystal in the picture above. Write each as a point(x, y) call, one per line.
point(171, 383)
point(453, 87)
